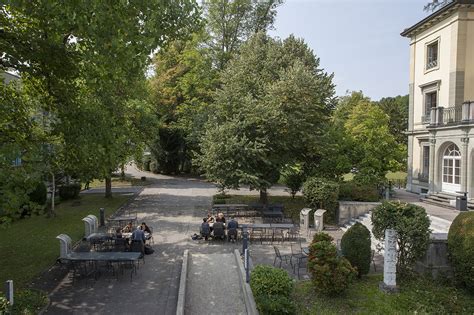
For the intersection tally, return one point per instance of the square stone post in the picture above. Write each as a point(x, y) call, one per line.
point(389, 283)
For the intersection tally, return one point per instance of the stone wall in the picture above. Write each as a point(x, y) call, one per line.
point(349, 210)
point(435, 262)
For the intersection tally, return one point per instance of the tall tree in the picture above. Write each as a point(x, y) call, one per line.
point(181, 89)
point(397, 110)
point(94, 52)
point(232, 22)
point(270, 110)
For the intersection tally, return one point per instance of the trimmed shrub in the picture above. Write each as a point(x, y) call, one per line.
point(40, 194)
point(356, 191)
point(413, 227)
point(272, 288)
point(355, 246)
point(330, 273)
point(70, 191)
point(293, 179)
point(321, 193)
point(461, 249)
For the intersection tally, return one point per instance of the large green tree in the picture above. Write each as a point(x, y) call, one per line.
point(231, 22)
point(90, 60)
point(270, 112)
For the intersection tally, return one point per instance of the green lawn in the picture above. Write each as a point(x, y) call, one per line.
point(29, 246)
point(119, 182)
point(390, 176)
point(292, 206)
point(419, 296)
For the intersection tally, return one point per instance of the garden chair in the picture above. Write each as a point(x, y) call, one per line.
point(281, 257)
point(298, 255)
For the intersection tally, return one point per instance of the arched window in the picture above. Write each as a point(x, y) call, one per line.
point(452, 169)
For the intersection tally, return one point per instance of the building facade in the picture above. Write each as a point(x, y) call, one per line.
point(441, 109)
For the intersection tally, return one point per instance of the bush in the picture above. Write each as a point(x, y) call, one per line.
point(461, 249)
point(29, 302)
point(293, 178)
point(70, 191)
point(275, 305)
point(356, 191)
point(321, 193)
point(272, 288)
point(153, 167)
point(40, 194)
point(413, 228)
point(355, 246)
point(330, 273)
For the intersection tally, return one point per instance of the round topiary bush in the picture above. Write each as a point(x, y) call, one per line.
point(412, 225)
point(461, 249)
point(355, 246)
point(272, 288)
point(330, 273)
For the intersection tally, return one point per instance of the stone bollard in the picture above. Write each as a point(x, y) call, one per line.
point(389, 284)
point(9, 291)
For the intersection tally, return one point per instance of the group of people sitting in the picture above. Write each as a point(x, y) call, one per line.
point(138, 234)
point(218, 226)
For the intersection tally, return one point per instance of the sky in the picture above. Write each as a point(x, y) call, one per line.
point(357, 40)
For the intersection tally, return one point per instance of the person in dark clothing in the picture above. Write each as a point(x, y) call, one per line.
point(232, 227)
point(205, 229)
point(145, 228)
point(219, 230)
point(220, 218)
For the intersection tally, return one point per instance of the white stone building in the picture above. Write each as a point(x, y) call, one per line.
point(441, 108)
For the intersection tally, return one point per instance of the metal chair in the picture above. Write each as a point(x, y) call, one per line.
point(297, 253)
point(256, 234)
point(279, 256)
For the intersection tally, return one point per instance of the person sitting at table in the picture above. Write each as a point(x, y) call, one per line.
point(118, 233)
point(138, 235)
point(205, 229)
point(219, 230)
point(220, 218)
point(128, 228)
point(232, 227)
point(145, 228)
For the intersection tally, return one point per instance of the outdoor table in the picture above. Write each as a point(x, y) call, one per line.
point(230, 208)
point(128, 235)
point(109, 257)
point(99, 237)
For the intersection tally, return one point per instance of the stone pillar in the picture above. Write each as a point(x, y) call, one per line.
point(389, 283)
point(431, 179)
point(318, 220)
point(464, 162)
point(410, 164)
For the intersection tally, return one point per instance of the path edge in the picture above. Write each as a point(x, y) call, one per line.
point(246, 290)
point(182, 284)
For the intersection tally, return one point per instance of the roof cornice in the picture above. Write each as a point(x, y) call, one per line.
point(435, 17)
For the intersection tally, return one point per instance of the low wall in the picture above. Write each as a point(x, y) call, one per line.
point(349, 210)
point(435, 262)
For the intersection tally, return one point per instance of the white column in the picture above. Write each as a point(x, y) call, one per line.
point(464, 162)
point(433, 166)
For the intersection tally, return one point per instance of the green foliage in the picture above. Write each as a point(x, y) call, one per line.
point(293, 177)
point(355, 246)
point(374, 149)
point(322, 237)
point(231, 23)
point(29, 301)
point(412, 225)
point(40, 194)
point(275, 305)
point(330, 273)
point(418, 295)
point(321, 193)
point(70, 191)
point(4, 305)
point(357, 191)
point(461, 248)
point(397, 110)
point(272, 288)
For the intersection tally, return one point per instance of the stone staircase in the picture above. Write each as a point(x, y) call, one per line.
point(445, 200)
point(438, 225)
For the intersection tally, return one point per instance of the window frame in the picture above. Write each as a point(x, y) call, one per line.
point(436, 41)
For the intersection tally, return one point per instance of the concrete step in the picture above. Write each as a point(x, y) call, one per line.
point(437, 203)
point(439, 225)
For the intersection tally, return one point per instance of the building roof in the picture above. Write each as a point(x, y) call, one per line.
point(435, 17)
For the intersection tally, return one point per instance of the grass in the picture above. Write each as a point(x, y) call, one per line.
point(29, 246)
point(119, 182)
point(292, 207)
point(417, 296)
point(393, 176)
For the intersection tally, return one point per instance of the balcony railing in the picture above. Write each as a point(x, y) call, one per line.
point(455, 115)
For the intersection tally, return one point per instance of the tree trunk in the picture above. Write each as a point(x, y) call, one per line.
point(108, 187)
point(52, 213)
point(122, 174)
point(264, 197)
